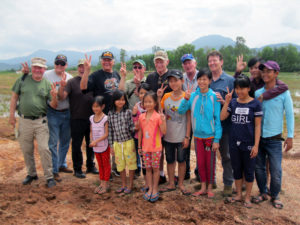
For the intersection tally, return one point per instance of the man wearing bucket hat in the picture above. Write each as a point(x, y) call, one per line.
point(33, 91)
point(81, 110)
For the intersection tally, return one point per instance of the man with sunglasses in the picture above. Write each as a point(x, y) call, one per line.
point(59, 119)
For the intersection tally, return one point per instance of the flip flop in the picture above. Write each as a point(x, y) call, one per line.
point(167, 189)
point(277, 204)
point(185, 192)
point(120, 190)
point(127, 191)
point(144, 189)
point(210, 194)
point(248, 205)
point(154, 197)
point(258, 199)
point(199, 193)
point(146, 196)
point(97, 189)
point(231, 200)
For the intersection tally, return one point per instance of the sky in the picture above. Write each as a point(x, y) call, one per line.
point(85, 25)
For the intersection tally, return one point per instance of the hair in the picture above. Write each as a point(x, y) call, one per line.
point(144, 86)
point(253, 61)
point(204, 72)
point(215, 53)
point(99, 100)
point(117, 94)
point(154, 97)
point(243, 81)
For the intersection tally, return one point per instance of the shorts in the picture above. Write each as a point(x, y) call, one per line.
point(151, 159)
point(173, 151)
point(125, 155)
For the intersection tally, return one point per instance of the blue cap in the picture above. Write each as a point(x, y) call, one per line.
point(187, 57)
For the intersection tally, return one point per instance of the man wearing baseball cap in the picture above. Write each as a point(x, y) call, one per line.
point(81, 110)
point(270, 145)
point(33, 91)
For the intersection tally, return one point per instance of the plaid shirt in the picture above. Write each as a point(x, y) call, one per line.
point(120, 126)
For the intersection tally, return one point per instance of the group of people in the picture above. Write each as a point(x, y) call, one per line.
point(141, 120)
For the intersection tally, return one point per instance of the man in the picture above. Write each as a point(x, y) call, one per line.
point(81, 110)
point(32, 92)
point(189, 65)
point(59, 120)
point(270, 145)
point(220, 83)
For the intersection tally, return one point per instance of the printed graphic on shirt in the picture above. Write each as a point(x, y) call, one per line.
point(172, 113)
point(240, 116)
point(111, 84)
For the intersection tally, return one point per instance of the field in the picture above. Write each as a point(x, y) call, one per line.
point(73, 202)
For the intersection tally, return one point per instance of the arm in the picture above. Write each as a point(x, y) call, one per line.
point(224, 113)
point(130, 121)
point(277, 90)
point(87, 70)
point(218, 126)
point(184, 106)
point(163, 125)
point(94, 143)
point(53, 93)
point(12, 108)
point(140, 136)
point(240, 65)
point(187, 138)
point(257, 131)
point(289, 114)
point(123, 77)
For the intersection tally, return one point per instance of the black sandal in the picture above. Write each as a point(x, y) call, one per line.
point(258, 199)
point(277, 204)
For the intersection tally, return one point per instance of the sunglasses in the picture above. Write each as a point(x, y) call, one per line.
point(61, 63)
point(137, 67)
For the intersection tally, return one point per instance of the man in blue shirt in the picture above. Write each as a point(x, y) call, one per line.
point(270, 145)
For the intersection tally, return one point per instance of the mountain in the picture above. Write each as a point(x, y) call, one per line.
point(212, 41)
point(279, 45)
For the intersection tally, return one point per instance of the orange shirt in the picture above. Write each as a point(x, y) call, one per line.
point(151, 141)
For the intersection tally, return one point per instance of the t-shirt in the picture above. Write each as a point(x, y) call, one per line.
point(103, 83)
point(98, 130)
point(151, 141)
point(155, 81)
point(54, 78)
point(33, 96)
point(176, 123)
point(80, 104)
point(242, 116)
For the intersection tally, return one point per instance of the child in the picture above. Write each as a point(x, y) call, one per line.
point(246, 114)
point(99, 134)
point(176, 139)
point(206, 125)
point(120, 139)
point(152, 126)
point(137, 110)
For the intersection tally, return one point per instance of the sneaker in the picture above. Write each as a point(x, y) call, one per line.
point(57, 177)
point(51, 183)
point(115, 172)
point(28, 179)
point(79, 174)
point(227, 192)
point(162, 179)
point(65, 170)
point(92, 170)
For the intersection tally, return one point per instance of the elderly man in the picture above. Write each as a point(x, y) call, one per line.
point(59, 120)
point(32, 92)
point(81, 110)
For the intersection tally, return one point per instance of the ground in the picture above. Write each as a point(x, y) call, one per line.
point(73, 202)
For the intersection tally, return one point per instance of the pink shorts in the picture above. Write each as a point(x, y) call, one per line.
point(151, 159)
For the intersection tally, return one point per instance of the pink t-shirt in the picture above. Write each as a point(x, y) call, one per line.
point(98, 130)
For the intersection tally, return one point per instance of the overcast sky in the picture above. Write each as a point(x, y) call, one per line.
point(84, 25)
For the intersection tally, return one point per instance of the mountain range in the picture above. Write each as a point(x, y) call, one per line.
point(209, 41)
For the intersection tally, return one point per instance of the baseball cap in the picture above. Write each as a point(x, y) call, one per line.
point(61, 58)
point(107, 55)
point(161, 55)
point(175, 73)
point(37, 61)
point(81, 62)
point(271, 65)
point(187, 57)
point(139, 61)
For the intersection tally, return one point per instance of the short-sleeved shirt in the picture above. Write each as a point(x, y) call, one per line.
point(155, 80)
point(191, 83)
point(103, 83)
point(130, 87)
point(80, 104)
point(33, 96)
point(176, 123)
point(54, 78)
point(242, 116)
point(98, 131)
point(151, 141)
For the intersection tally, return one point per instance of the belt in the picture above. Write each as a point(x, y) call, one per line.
point(277, 137)
point(58, 110)
point(32, 117)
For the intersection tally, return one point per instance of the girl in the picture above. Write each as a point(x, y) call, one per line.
point(137, 110)
point(246, 114)
point(99, 134)
point(121, 126)
point(206, 125)
point(152, 125)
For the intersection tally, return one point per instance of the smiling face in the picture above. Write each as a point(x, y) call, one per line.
point(149, 103)
point(120, 103)
point(142, 93)
point(161, 66)
point(269, 75)
point(242, 92)
point(215, 64)
point(189, 66)
point(37, 72)
point(97, 109)
point(203, 83)
point(254, 71)
point(80, 70)
point(175, 83)
point(107, 65)
point(60, 67)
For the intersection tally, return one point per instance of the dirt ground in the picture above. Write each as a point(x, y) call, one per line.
point(73, 202)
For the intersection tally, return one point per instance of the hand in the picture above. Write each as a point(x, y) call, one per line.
point(138, 76)
point(53, 91)
point(136, 125)
point(12, 121)
point(123, 71)
point(240, 64)
point(140, 151)
point(162, 115)
point(63, 81)
point(188, 92)
point(93, 144)
point(228, 97)
point(185, 143)
point(254, 151)
point(134, 109)
point(220, 98)
point(112, 152)
point(25, 68)
point(288, 144)
point(87, 63)
point(161, 90)
point(215, 146)
point(260, 98)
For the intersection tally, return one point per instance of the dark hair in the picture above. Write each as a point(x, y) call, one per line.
point(99, 100)
point(117, 94)
point(153, 95)
point(214, 53)
point(144, 86)
point(243, 81)
point(253, 61)
point(204, 72)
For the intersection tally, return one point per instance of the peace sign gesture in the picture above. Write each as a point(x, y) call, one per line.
point(123, 69)
point(240, 64)
point(188, 92)
point(87, 62)
point(25, 68)
point(228, 97)
point(162, 115)
point(63, 81)
point(53, 91)
point(161, 90)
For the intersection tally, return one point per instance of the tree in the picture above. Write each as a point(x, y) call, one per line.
point(122, 55)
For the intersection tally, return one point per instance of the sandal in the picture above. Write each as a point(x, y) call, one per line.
point(248, 205)
point(210, 194)
point(196, 194)
point(258, 199)
point(127, 191)
point(146, 196)
point(167, 189)
point(97, 189)
point(231, 200)
point(185, 192)
point(144, 189)
point(103, 191)
point(154, 197)
point(277, 204)
point(121, 189)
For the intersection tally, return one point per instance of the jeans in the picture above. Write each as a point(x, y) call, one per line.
point(273, 150)
point(59, 141)
point(226, 163)
point(81, 129)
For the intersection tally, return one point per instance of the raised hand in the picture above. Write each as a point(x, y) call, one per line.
point(63, 81)
point(137, 77)
point(188, 92)
point(161, 90)
point(162, 115)
point(228, 97)
point(134, 109)
point(25, 68)
point(123, 71)
point(87, 62)
point(53, 91)
point(240, 64)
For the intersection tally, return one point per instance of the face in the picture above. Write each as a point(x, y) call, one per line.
point(37, 72)
point(80, 70)
point(138, 68)
point(120, 103)
point(97, 109)
point(189, 66)
point(149, 103)
point(269, 75)
point(142, 93)
point(175, 83)
point(161, 65)
point(215, 63)
point(242, 92)
point(254, 71)
point(60, 67)
point(203, 82)
point(107, 65)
